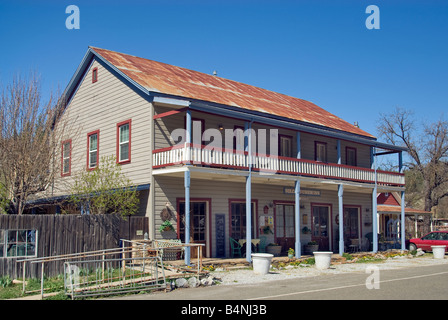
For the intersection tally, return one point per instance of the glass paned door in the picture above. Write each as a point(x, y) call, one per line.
point(285, 226)
point(351, 223)
point(198, 224)
point(320, 226)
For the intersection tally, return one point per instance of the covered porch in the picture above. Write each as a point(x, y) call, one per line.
point(286, 209)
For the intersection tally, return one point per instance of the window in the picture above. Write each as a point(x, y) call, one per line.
point(284, 221)
point(198, 217)
point(238, 220)
point(94, 75)
point(320, 151)
point(285, 147)
point(92, 149)
point(124, 142)
point(350, 154)
point(18, 243)
point(66, 160)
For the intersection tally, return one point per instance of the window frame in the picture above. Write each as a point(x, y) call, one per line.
point(281, 151)
point(237, 230)
point(63, 173)
point(5, 243)
point(95, 75)
point(89, 135)
point(316, 151)
point(119, 143)
point(347, 151)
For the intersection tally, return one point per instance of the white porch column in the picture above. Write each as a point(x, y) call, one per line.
point(403, 216)
point(341, 218)
point(298, 245)
point(248, 128)
point(339, 152)
point(403, 223)
point(187, 215)
point(374, 220)
point(374, 203)
point(187, 189)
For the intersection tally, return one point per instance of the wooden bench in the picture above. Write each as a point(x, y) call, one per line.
point(169, 249)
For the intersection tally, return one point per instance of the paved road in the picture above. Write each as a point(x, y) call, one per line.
point(422, 282)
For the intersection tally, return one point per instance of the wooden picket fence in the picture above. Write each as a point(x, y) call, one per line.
point(67, 234)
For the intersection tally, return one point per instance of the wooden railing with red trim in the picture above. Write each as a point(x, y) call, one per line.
point(269, 164)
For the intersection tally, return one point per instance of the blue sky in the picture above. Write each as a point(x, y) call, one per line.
point(320, 51)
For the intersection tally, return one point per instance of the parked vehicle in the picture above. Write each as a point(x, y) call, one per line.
point(435, 238)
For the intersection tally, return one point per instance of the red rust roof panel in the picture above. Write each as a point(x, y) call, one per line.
point(169, 79)
point(397, 209)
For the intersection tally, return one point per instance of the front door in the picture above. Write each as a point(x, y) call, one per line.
point(285, 226)
point(198, 225)
point(320, 226)
point(351, 223)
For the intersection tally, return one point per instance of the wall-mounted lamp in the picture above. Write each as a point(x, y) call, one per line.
point(220, 127)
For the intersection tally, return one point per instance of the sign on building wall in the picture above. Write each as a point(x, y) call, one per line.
point(220, 235)
point(303, 191)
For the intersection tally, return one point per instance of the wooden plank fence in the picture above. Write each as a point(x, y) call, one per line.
point(66, 234)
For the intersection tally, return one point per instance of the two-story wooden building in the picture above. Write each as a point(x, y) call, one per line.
point(205, 150)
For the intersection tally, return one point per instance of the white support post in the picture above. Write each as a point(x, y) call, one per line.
point(187, 188)
point(374, 220)
point(403, 223)
point(298, 245)
point(249, 194)
point(339, 152)
point(187, 216)
point(341, 218)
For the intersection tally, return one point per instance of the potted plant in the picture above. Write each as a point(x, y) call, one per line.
point(311, 247)
point(290, 253)
point(166, 226)
point(274, 248)
point(306, 230)
point(267, 230)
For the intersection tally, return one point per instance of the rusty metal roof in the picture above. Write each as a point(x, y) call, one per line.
point(397, 209)
point(160, 77)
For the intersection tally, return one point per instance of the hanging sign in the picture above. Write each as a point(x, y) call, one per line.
point(303, 191)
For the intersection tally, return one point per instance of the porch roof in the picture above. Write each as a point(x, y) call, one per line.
point(397, 210)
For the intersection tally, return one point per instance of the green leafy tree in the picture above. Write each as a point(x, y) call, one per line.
point(105, 190)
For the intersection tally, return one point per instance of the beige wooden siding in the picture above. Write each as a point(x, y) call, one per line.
point(169, 189)
point(100, 106)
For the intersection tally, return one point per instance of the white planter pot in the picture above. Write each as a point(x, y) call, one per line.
point(322, 259)
point(261, 262)
point(438, 252)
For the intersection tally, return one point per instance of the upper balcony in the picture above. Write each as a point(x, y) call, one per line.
point(200, 155)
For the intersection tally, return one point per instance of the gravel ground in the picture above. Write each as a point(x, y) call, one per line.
point(247, 276)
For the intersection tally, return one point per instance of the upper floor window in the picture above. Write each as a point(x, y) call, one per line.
point(92, 149)
point(66, 156)
point(320, 151)
point(94, 75)
point(350, 156)
point(285, 147)
point(124, 142)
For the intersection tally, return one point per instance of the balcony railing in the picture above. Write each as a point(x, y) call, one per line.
point(264, 164)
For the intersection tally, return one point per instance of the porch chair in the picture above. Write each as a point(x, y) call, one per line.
point(236, 247)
